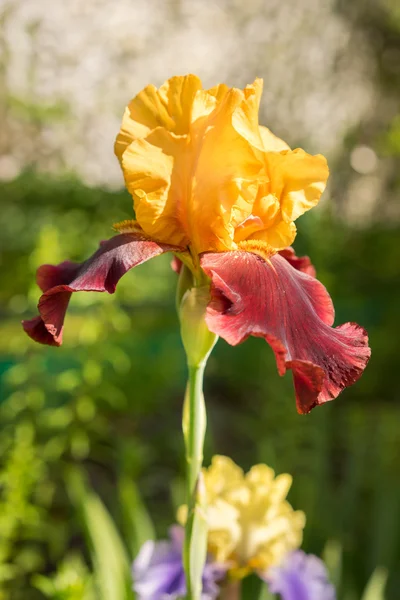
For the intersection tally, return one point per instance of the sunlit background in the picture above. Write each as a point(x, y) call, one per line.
point(90, 438)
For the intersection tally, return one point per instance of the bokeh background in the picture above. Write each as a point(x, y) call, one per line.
point(90, 441)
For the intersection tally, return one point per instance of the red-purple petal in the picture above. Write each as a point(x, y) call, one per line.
point(301, 263)
point(36, 330)
point(49, 276)
point(100, 273)
point(293, 312)
point(176, 265)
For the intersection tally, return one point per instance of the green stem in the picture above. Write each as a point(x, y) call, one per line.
point(194, 427)
point(196, 430)
point(193, 296)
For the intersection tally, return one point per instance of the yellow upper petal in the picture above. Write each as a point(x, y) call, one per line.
point(203, 173)
point(193, 176)
point(296, 183)
point(245, 118)
point(298, 179)
point(225, 177)
point(271, 143)
point(154, 170)
point(168, 107)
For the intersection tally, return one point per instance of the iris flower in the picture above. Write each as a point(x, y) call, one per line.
point(251, 526)
point(221, 192)
point(158, 570)
point(300, 577)
point(158, 574)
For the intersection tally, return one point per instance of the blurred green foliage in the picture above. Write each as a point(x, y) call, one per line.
point(108, 404)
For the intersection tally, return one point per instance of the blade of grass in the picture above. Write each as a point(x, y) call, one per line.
point(138, 526)
point(109, 556)
point(375, 589)
point(332, 557)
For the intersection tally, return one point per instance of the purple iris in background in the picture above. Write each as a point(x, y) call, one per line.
point(301, 576)
point(158, 570)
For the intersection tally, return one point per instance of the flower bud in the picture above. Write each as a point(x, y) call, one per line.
point(198, 341)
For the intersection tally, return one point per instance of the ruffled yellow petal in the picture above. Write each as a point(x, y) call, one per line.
point(152, 168)
point(222, 473)
point(225, 178)
point(245, 118)
point(168, 107)
point(250, 523)
point(224, 530)
point(204, 174)
point(271, 143)
point(298, 179)
point(296, 182)
point(193, 175)
point(279, 234)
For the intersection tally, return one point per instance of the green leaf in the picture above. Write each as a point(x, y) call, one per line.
point(138, 526)
point(375, 589)
point(109, 556)
point(44, 585)
point(71, 581)
point(332, 557)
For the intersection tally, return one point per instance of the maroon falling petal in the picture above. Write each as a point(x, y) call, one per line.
point(100, 273)
point(301, 263)
point(176, 265)
point(293, 312)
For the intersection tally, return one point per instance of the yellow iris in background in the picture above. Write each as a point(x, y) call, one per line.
point(251, 526)
point(204, 174)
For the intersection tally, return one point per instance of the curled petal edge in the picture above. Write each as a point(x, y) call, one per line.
point(271, 298)
point(301, 263)
point(100, 273)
